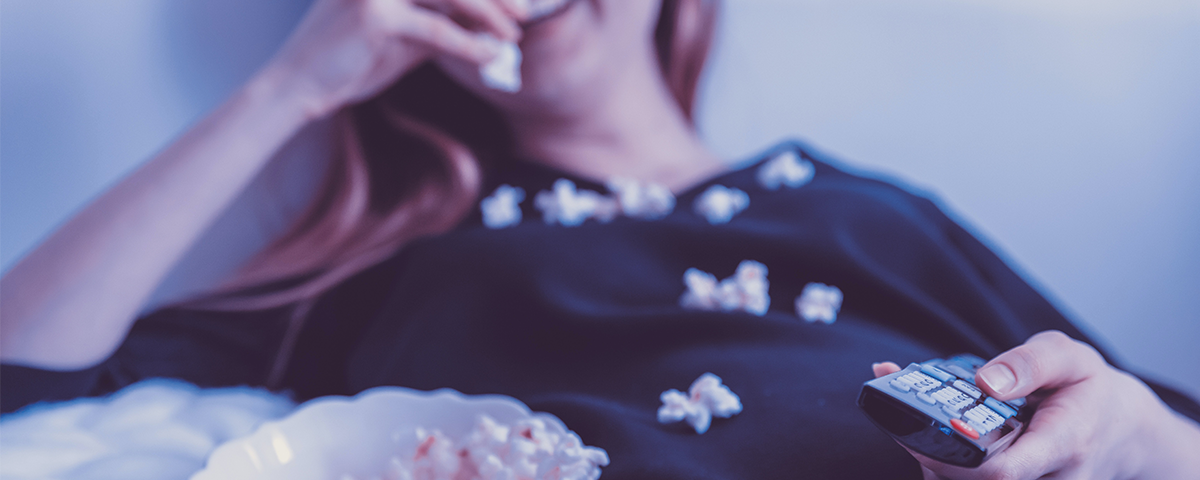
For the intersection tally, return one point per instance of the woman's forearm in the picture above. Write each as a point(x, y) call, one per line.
point(69, 302)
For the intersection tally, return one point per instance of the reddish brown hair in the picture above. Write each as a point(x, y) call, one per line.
point(410, 165)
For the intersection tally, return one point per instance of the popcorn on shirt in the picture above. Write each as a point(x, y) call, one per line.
point(701, 290)
point(502, 209)
point(719, 204)
point(570, 207)
point(752, 286)
point(706, 398)
point(787, 168)
point(648, 201)
point(819, 303)
point(746, 290)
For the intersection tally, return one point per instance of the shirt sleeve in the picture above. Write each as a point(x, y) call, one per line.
point(209, 349)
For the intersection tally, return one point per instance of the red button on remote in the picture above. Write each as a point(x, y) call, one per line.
point(963, 428)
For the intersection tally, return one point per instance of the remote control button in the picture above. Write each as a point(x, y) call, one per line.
point(964, 429)
point(919, 381)
point(898, 385)
point(983, 418)
point(952, 397)
point(968, 360)
point(908, 379)
point(951, 412)
point(1017, 402)
point(967, 388)
point(925, 397)
point(1000, 407)
point(992, 421)
point(958, 370)
point(936, 372)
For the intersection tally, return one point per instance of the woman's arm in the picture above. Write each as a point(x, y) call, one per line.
point(70, 302)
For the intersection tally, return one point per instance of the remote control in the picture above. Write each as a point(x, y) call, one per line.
point(935, 409)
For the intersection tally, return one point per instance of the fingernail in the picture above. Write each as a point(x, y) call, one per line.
point(875, 365)
point(998, 377)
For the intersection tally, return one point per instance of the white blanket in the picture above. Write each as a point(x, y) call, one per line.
point(153, 430)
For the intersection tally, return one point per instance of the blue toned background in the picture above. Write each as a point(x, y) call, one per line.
point(1065, 132)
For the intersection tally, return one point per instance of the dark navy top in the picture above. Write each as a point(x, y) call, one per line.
point(585, 323)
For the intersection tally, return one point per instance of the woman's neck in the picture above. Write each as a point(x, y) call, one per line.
point(631, 127)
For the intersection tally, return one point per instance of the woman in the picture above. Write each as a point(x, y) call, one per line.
point(393, 278)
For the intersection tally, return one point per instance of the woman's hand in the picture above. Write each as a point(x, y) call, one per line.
point(1091, 421)
point(345, 51)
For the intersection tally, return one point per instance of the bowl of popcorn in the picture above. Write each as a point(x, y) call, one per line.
point(393, 433)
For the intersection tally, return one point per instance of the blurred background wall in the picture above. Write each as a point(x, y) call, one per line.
point(1064, 132)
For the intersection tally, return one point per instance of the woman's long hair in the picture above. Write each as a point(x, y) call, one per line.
point(409, 165)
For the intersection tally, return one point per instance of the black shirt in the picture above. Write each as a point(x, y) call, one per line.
point(585, 323)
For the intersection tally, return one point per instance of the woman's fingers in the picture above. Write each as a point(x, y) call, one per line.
point(1057, 431)
point(443, 35)
point(346, 51)
point(884, 368)
point(1049, 359)
point(1033, 455)
point(1049, 444)
point(518, 9)
point(1092, 422)
point(489, 15)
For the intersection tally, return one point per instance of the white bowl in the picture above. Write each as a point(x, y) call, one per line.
point(329, 437)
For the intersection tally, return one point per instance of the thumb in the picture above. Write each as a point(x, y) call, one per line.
point(1049, 359)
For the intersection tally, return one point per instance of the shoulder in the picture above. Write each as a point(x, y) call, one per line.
point(839, 192)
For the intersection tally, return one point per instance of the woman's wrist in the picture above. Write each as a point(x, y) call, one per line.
point(295, 98)
point(1173, 451)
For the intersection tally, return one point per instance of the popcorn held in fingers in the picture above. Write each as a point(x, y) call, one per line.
point(819, 303)
point(746, 290)
point(649, 201)
point(707, 398)
point(502, 209)
point(719, 204)
point(788, 169)
point(568, 207)
point(503, 72)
